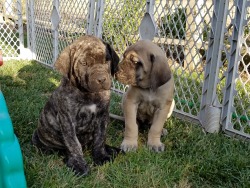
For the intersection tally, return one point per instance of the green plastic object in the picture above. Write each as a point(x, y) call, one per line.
point(11, 161)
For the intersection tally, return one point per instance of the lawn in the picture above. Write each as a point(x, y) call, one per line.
point(191, 158)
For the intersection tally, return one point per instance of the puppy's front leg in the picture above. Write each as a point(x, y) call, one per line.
point(129, 142)
point(154, 135)
point(75, 158)
point(102, 153)
point(98, 151)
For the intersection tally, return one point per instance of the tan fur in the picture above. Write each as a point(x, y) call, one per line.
point(150, 94)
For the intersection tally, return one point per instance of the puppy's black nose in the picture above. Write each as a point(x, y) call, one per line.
point(101, 79)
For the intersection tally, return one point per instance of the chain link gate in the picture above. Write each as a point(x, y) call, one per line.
point(236, 49)
point(226, 85)
point(52, 26)
point(206, 42)
point(11, 29)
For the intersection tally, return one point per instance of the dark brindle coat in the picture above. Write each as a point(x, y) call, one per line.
point(77, 113)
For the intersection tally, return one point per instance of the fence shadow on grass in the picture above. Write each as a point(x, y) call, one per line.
point(26, 87)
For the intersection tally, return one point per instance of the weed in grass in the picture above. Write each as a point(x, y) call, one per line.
point(191, 159)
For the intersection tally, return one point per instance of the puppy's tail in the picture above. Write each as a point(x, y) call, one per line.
point(171, 109)
point(36, 141)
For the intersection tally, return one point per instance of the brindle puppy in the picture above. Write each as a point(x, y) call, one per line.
point(77, 113)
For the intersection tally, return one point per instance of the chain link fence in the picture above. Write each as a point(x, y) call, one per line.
point(11, 28)
point(47, 36)
point(235, 68)
point(206, 42)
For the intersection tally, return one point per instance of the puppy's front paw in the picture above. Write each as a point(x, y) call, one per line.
point(102, 159)
point(129, 145)
point(159, 147)
point(109, 155)
point(78, 164)
point(113, 151)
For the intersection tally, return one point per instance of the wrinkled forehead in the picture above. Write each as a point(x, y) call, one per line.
point(135, 49)
point(91, 48)
point(129, 53)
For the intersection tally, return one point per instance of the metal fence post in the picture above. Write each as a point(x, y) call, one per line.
point(20, 27)
point(150, 6)
point(147, 29)
point(99, 18)
point(234, 57)
point(31, 28)
point(28, 52)
point(210, 109)
point(55, 19)
point(193, 34)
point(90, 20)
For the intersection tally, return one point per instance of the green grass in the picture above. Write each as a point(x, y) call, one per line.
point(191, 159)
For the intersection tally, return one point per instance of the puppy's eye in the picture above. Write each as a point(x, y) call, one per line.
point(84, 63)
point(138, 63)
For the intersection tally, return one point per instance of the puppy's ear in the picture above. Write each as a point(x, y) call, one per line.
point(112, 56)
point(63, 62)
point(160, 72)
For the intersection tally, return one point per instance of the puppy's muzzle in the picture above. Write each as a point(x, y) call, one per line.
point(101, 79)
